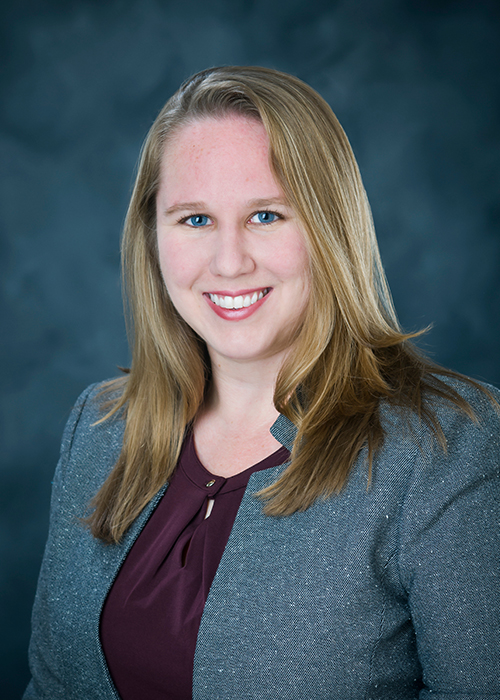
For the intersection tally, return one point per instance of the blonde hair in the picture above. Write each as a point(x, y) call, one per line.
point(350, 351)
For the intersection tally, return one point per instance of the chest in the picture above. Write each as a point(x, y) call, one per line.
point(310, 604)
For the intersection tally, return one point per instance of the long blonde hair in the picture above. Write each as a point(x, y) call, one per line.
point(350, 351)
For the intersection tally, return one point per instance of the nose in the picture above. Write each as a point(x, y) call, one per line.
point(231, 256)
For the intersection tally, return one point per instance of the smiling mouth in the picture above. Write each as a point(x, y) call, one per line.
point(238, 302)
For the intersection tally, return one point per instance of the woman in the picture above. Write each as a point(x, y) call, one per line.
point(282, 498)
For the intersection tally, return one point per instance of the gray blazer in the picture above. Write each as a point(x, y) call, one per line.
point(388, 592)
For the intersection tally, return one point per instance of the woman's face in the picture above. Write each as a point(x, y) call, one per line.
point(231, 249)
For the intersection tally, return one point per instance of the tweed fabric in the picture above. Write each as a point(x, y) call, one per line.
point(389, 592)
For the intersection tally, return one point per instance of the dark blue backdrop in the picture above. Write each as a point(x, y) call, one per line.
point(416, 86)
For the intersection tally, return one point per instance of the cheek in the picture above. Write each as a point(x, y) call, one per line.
point(300, 274)
point(291, 262)
point(177, 265)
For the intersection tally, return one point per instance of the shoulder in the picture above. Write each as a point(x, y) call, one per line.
point(456, 479)
point(484, 399)
point(433, 476)
point(94, 401)
point(90, 445)
point(461, 429)
point(87, 421)
point(448, 539)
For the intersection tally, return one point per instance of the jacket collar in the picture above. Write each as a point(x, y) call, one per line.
point(284, 431)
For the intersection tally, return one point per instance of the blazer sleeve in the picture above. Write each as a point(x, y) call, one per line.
point(43, 649)
point(449, 561)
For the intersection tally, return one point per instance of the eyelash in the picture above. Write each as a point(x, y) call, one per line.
point(268, 211)
point(185, 219)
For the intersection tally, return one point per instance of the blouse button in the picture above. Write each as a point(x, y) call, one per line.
point(210, 483)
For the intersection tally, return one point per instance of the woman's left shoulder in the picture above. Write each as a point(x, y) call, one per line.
point(464, 409)
point(448, 540)
point(449, 447)
point(483, 398)
point(474, 423)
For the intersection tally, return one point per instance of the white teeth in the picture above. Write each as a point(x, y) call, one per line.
point(239, 302)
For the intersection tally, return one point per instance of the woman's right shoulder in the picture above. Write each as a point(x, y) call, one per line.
point(99, 397)
point(91, 442)
point(90, 409)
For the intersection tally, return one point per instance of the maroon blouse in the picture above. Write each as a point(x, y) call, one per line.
point(151, 616)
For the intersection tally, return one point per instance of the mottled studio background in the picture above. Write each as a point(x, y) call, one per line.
point(416, 86)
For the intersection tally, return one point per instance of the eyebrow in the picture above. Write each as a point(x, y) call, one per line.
point(200, 206)
point(183, 206)
point(268, 202)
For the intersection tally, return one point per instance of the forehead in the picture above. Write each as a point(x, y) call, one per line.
point(216, 135)
point(218, 161)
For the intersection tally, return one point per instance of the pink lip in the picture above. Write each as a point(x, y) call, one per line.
point(237, 314)
point(240, 292)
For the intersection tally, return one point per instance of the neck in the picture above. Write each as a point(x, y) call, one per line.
point(242, 393)
point(231, 431)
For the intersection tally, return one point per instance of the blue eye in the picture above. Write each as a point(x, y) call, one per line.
point(265, 217)
point(197, 220)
